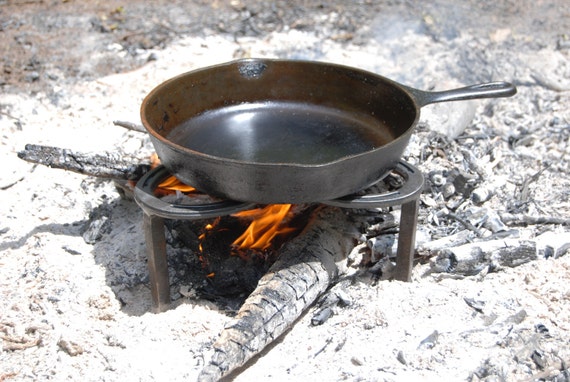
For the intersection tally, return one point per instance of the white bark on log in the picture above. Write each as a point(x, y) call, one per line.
point(553, 244)
point(456, 239)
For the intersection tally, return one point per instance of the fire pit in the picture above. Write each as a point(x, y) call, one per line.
point(261, 131)
point(156, 210)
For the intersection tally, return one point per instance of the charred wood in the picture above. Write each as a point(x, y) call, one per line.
point(335, 296)
point(454, 240)
point(553, 244)
point(306, 267)
point(467, 224)
point(470, 259)
point(106, 165)
point(521, 219)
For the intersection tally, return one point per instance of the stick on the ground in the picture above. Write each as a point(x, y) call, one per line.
point(130, 126)
point(106, 165)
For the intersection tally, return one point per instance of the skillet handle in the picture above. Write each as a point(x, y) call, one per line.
point(487, 90)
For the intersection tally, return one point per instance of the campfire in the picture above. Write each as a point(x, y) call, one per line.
point(262, 228)
point(284, 159)
point(495, 188)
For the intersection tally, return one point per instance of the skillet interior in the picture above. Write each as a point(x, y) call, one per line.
point(279, 132)
point(287, 112)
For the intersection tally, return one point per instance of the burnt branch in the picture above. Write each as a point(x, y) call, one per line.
point(106, 165)
point(521, 220)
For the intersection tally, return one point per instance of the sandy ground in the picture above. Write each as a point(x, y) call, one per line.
point(77, 311)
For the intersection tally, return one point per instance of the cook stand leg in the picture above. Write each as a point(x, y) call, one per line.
point(406, 240)
point(157, 261)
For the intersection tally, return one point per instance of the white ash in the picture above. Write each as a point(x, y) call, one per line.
point(89, 308)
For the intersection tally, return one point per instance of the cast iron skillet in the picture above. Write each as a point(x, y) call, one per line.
point(282, 131)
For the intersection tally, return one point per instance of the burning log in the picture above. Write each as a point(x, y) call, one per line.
point(305, 269)
point(106, 165)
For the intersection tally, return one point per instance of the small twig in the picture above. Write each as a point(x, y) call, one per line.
point(327, 343)
point(472, 162)
point(24, 2)
point(130, 125)
point(9, 116)
point(19, 344)
point(465, 223)
point(6, 376)
point(524, 195)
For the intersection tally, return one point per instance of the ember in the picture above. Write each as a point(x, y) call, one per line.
point(202, 236)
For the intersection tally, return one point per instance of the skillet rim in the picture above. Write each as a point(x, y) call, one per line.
point(269, 61)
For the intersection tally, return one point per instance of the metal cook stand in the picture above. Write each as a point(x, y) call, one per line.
point(156, 210)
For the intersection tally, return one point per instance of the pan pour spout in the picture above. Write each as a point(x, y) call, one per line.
point(252, 69)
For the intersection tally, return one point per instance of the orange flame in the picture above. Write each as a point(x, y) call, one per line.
point(266, 225)
point(173, 184)
point(202, 236)
point(170, 184)
point(267, 222)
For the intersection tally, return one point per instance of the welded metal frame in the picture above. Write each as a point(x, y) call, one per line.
point(408, 197)
point(156, 210)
